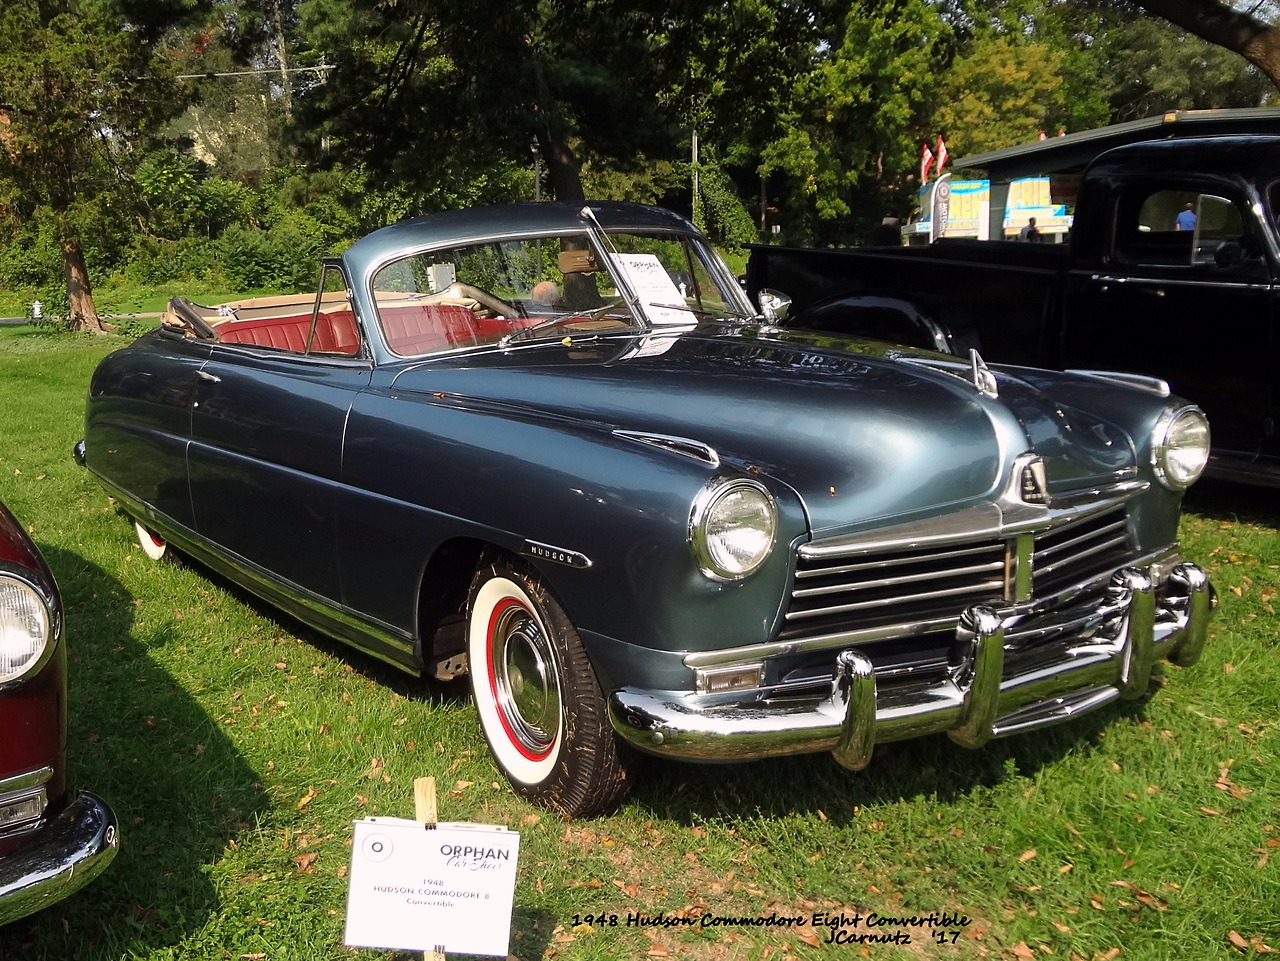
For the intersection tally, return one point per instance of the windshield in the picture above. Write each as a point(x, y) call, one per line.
point(556, 286)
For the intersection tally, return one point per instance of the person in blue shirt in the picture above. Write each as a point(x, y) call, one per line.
point(1186, 219)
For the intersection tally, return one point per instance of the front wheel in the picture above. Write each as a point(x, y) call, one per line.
point(540, 706)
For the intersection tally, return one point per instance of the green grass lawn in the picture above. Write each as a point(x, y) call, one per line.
point(236, 748)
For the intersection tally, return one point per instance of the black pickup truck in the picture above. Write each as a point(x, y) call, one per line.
point(1172, 269)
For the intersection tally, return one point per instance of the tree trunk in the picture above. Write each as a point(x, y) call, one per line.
point(563, 175)
point(1256, 41)
point(82, 314)
point(280, 42)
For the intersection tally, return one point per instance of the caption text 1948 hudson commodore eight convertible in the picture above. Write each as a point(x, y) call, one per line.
point(555, 446)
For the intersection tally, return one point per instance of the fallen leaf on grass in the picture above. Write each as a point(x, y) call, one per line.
point(631, 890)
point(305, 862)
point(809, 938)
point(1254, 945)
point(1225, 783)
point(1154, 902)
point(1026, 855)
point(307, 798)
point(1021, 951)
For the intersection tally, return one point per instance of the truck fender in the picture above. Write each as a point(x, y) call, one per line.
point(893, 317)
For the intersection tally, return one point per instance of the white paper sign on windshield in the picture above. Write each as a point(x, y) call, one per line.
point(414, 889)
point(655, 288)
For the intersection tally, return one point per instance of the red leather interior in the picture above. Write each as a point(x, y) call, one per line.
point(336, 333)
point(410, 330)
point(422, 328)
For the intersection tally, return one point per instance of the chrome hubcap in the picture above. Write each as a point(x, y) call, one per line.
point(525, 682)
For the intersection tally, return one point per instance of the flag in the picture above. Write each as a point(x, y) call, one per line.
point(941, 153)
point(926, 161)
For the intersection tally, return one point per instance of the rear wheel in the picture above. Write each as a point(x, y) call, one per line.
point(540, 706)
point(152, 544)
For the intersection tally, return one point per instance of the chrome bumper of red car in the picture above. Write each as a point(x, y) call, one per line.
point(64, 855)
point(1014, 674)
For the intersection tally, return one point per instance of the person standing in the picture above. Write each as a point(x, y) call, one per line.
point(1186, 219)
point(1030, 232)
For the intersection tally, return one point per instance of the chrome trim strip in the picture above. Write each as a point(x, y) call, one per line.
point(999, 520)
point(325, 615)
point(685, 446)
point(904, 579)
point(995, 585)
point(985, 548)
point(28, 779)
point(1152, 385)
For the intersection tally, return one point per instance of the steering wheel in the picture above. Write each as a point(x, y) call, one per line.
point(461, 291)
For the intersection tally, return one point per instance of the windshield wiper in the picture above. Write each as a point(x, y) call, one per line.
point(524, 333)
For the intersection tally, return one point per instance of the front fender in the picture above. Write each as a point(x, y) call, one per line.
point(604, 519)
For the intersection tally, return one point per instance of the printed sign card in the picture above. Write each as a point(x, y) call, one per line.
point(412, 888)
point(657, 291)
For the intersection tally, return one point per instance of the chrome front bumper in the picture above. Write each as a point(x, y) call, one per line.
point(63, 856)
point(1019, 668)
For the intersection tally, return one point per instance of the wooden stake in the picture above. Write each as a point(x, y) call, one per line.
point(424, 810)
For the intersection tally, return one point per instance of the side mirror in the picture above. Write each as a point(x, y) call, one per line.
point(774, 305)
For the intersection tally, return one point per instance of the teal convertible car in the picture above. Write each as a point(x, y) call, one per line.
point(555, 447)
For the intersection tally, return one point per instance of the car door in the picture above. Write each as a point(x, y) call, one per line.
point(266, 454)
point(1185, 294)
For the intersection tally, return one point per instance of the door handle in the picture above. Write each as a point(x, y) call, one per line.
point(207, 377)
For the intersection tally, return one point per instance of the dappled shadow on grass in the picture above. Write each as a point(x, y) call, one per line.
point(177, 785)
point(1225, 501)
point(931, 767)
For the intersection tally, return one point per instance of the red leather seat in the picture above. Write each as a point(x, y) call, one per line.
point(422, 328)
point(336, 333)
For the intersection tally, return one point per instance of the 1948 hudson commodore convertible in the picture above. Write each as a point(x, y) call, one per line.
point(554, 446)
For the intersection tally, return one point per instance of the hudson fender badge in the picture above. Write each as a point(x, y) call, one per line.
point(557, 555)
point(1035, 484)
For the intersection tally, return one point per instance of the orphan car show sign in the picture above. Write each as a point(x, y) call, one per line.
point(417, 888)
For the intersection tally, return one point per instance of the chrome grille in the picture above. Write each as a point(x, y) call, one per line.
point(1075, 552)
point(889, 587)
point(926, 588)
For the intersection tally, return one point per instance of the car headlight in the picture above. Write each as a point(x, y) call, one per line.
point(732, 528)
point(26, 629)
point(1180, 448)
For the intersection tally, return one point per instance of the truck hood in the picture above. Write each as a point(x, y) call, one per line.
point(861, 431)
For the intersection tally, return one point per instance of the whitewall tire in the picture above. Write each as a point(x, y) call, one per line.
point(539, 704)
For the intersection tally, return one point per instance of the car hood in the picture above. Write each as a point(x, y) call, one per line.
point(860, 430)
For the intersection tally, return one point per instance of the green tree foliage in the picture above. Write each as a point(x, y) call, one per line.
point(78, 86)
point(1152, 66)
point(1002, 90)
point(852, 122)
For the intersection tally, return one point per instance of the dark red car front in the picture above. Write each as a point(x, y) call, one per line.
point(52, 841)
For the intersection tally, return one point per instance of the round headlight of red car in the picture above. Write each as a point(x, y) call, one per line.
point(26, 628)
point(1181, 448)
point(732, 528)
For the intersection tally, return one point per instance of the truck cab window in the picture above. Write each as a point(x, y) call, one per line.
point(1175, 228)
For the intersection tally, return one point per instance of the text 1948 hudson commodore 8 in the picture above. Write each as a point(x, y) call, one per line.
point(53, 839)
point(556, 447)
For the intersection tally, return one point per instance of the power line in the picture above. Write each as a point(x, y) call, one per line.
point(247, 73)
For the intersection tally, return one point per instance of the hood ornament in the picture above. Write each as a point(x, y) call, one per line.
point(981, 375)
